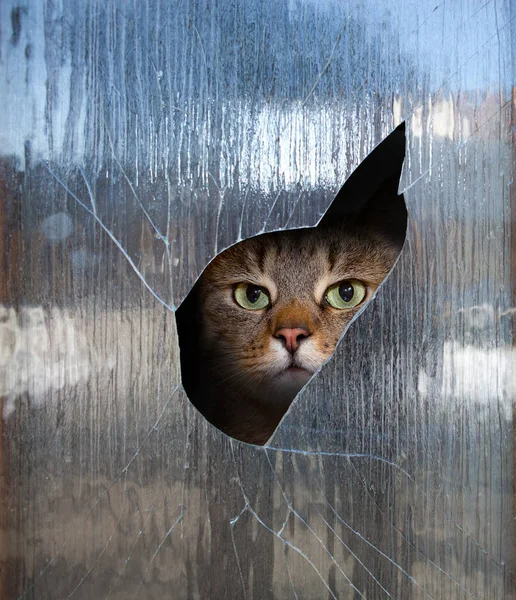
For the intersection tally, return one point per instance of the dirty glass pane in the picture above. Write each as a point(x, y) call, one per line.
point(140, 139)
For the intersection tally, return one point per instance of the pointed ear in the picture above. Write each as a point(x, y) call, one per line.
point(385, 212)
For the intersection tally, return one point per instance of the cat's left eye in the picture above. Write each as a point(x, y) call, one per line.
point(251, 297)
point(345, 294)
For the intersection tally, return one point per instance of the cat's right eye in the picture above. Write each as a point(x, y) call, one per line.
point(346, 294)
point(251, 297)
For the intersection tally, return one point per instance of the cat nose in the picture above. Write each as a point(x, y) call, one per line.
point(291, 337)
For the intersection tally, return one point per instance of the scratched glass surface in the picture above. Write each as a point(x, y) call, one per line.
point(140, 139)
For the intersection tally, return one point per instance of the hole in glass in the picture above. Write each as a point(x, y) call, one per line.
point(269, 311)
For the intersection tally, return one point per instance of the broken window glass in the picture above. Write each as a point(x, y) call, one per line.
point(140, 140)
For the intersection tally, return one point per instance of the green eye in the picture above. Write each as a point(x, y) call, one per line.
point(346, 294)
point(251, 297)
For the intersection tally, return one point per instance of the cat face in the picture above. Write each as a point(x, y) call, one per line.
point(272, 308)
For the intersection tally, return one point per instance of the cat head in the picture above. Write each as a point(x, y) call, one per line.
point(272, 308)
point(269, 311)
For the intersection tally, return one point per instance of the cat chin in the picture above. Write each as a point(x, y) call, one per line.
point(294, 377)
point(281, 389)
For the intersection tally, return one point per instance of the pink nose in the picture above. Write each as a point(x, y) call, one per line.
point(291, 338)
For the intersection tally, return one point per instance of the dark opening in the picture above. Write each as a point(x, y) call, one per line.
point(269, 311)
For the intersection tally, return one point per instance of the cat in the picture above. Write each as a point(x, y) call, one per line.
point(270, 311)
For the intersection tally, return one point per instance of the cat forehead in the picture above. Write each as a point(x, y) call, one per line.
point(303, 249)
point(301, 255)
